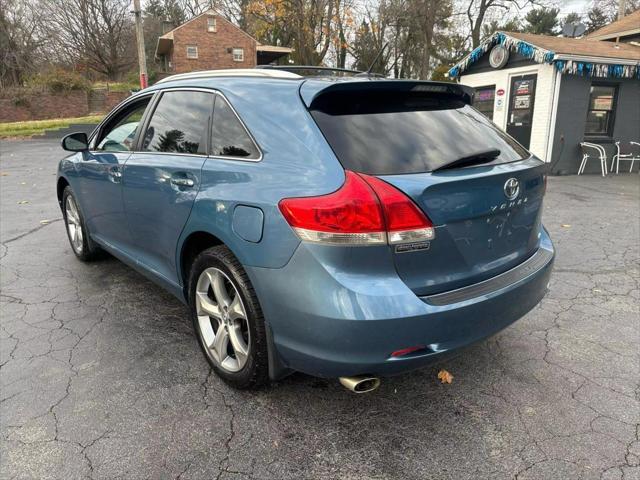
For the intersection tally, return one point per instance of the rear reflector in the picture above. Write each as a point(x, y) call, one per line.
point(364, 211)
point(407, 351)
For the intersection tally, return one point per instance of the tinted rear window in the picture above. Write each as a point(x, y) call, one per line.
point(229, 138)
point(393, 133)
point(180, 123)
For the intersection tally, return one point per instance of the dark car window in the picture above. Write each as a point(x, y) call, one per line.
point(180, 123)
point(229, 137)
point(412, 132)
point(119, 134)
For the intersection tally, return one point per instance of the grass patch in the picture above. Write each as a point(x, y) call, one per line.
point(117, 86)
point(37, 127)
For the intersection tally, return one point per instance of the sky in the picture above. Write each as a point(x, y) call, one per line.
point(568, 6)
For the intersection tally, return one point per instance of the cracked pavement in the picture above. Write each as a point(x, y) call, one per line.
point(101, 376)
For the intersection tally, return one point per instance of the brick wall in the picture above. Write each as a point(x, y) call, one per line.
point(113, 99)
point(212, 46)
point(20, 107)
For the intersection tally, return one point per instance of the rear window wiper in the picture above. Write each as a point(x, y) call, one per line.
point(477, 158)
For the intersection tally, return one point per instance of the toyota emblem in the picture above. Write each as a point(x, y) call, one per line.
point(511, 188)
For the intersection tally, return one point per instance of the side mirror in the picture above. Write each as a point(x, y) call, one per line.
point(76, 142)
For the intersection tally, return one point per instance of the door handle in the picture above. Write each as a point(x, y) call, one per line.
point(115, 174)
point(182, 182)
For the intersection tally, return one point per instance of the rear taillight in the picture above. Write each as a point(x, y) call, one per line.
point(364, 211)
point(404, 221)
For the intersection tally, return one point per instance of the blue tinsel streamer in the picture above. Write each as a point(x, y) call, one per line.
point(529, 51)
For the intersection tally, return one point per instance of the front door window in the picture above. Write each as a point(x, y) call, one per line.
point(119, 135)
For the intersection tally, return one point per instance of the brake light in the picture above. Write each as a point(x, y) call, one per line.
point(404, 220)
point(364, 211)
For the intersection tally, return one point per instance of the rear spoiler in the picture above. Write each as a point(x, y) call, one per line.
point(312, 89)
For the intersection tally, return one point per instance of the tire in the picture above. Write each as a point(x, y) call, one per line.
point(81, 244)
point(227, 319)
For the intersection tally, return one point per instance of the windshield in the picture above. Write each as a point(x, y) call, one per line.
point(393, 133)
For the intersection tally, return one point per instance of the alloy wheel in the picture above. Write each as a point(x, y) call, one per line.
point(74, 226)
point(222, 320)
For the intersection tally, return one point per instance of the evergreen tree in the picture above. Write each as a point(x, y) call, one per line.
point(596, 18)
point(542, 21)
point(572, 18)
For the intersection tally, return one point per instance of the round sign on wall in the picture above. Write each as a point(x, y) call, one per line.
point(498, 57)
point(500, 92)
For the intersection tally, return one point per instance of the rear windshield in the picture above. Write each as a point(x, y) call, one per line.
point(393, 133)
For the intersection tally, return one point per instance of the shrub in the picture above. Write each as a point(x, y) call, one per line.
point(20, 101)
point(59, 81)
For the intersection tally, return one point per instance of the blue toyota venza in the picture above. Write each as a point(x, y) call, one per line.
point(350, 227)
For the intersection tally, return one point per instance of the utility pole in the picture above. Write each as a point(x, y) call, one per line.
point(142, 59)
point(621, 8)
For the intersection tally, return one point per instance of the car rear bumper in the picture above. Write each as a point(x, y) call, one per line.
point(332, 322)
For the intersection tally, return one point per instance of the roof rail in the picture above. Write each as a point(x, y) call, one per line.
point(231, 72)
point(316, 68)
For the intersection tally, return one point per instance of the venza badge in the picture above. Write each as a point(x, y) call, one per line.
point(511, 188)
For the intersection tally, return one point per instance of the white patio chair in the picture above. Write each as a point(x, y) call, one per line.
point(636, 157)
point(629, 157)
point(602, 156)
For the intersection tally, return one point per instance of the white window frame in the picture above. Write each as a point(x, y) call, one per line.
point(238, 54)
point(192, 57)
point(212, 24)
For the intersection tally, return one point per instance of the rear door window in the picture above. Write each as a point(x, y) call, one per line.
point(229, 138)
point(180, 123)
point(400, 132)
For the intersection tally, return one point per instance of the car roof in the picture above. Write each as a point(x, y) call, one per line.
point(309, 88)
point(232, 72)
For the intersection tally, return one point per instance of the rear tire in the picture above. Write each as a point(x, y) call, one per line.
point(227, 319)
point(81, 244)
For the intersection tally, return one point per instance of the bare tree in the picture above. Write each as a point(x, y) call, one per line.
point(477, 11)
point(21, 41)
point(306, 25)
point(95, 33)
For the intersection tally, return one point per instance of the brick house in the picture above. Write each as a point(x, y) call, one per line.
point(210, 41)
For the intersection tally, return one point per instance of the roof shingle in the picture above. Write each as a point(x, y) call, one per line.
point(629, 25)
point(580, 46)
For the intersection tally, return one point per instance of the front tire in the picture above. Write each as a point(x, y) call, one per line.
point(81, 244)
point(227, 319)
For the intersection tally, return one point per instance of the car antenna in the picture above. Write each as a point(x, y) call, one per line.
point(377, 58)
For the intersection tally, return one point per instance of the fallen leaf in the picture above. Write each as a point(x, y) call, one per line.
point(565, 225)
point(4, 174)
point(444, 376)
point(22, 202)
point(23, 183)
point(45, 222)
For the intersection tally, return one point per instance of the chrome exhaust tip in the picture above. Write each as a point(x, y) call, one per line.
point(360, 383)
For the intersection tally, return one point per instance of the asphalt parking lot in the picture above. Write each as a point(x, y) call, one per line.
point(101, 376)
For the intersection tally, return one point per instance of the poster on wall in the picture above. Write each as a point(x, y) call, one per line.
point(523, 87)
point(522, 102)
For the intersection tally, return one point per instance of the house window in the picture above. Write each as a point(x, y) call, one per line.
point(600, 116)
point(238, 54)
point(192, 51)
point(483, 100)
point(211, 24)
